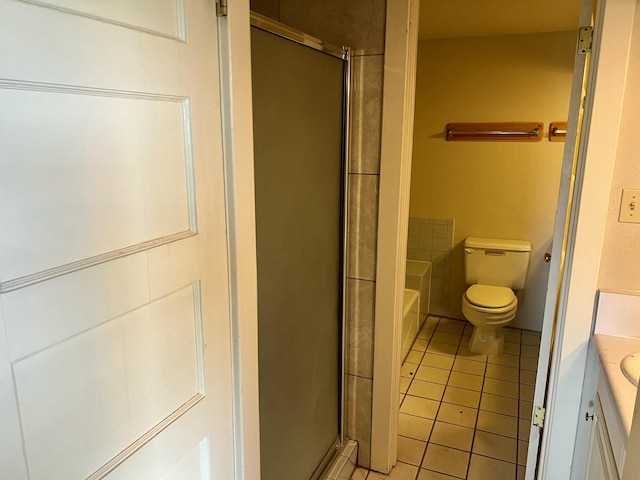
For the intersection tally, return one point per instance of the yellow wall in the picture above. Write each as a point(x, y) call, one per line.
point(490, 189)
point(620, 265)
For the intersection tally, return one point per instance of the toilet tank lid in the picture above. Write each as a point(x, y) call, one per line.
point(498, 244)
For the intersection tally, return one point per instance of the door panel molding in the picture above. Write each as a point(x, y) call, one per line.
point(142, 183)
point(166, 22)
point(146, 438)
point(140, 373)
point(51, 273)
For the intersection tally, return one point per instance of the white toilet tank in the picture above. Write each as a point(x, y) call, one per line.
point(495, 261)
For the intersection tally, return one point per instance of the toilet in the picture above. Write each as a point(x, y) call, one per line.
point(494, 269)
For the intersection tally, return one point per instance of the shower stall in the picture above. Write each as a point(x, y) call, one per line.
point(300, 89)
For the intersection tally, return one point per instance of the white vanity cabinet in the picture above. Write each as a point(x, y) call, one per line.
point(601, 462)
point(612, 407)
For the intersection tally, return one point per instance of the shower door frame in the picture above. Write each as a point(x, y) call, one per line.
point(343, 53)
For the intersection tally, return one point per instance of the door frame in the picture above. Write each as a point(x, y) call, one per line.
point(237, 123)
point(603, 108)
point(400, 63)
point(577, 297)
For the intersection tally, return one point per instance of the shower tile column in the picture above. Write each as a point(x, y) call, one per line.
point(364, 178)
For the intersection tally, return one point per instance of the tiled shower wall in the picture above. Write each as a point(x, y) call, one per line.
point(431, 240)
point(360, 25)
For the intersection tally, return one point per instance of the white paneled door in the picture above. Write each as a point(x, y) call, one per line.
point(115, 357)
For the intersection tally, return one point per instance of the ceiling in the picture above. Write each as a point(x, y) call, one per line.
point(478, 18)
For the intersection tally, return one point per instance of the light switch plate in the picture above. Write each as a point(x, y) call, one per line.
point(630, 206)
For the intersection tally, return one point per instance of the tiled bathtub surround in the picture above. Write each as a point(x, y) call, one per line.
point(463, 415)
point(418, 277)
point(431, 240)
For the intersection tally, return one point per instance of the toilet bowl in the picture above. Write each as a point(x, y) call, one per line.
point(488, 308)
point(494, 268)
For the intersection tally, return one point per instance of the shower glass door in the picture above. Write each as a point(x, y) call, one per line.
point(298, 98)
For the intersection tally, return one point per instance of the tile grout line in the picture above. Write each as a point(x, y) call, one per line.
point(426, 445)
point(446, 385)
point(475, 426)
point(409, 386)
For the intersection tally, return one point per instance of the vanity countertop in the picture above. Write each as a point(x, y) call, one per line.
point(611, 350)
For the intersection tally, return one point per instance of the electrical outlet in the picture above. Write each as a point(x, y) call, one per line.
point(630, 206)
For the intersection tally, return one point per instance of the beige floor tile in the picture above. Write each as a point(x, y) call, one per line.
point(521, 472)
point(444, 337)
point(483, 468)
point(511, 335)
point(465, 340)
point(432, 374)
point(502, 373)
point(453, 321)
point(430, 323)
point(526, 392)
point(402, 471)
point(530, 351)
point(511, 348)
point(438, 361)
point(505, 360)
point(414, 427)
point(497, 423)
point(498, 404)
point(420, 407)
point(495, 446)
point(442, 348)
point(360, 474)
point(431, 475)
point(461, 396)
point(408, 370)
point(450, 327)
point(401, 398)
point(468, 329)
point(465, 380)
point(446, 460)
point(453, 436)
point(410, 450)
point(500, 387)
point(527, 363)
point(528, 377)
point(524, 429)
point(457, 414)
point(468, 366)
point(464, 352)
point(414, 356)
point(530, 339)
point(425, 334)
point(420, 388)
point(419, 344)
point(404, 384)
point(523, 448)
point(526, 409)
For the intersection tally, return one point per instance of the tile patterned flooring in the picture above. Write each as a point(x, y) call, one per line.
point(462, 415)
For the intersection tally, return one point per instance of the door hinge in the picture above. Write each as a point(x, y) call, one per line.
point(585, 39)
point(221, 8)
point(538, 416)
